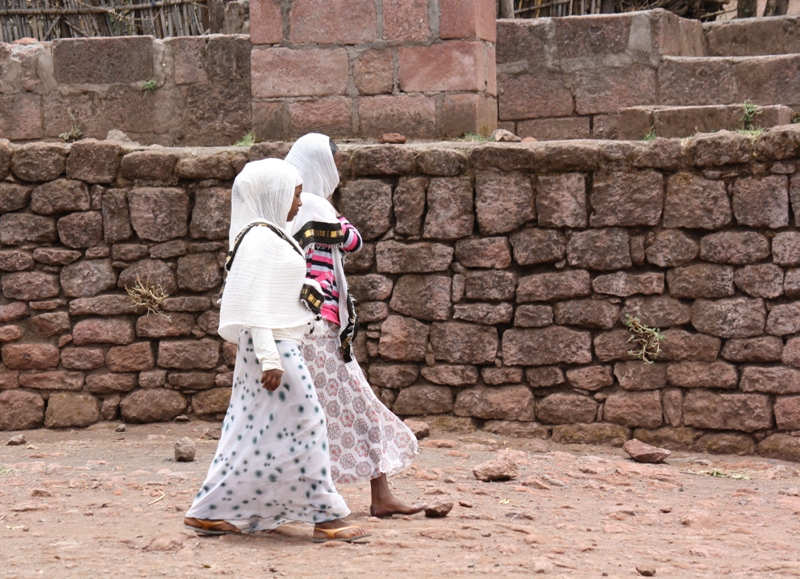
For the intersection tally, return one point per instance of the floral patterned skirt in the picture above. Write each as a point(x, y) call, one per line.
point(365, 438)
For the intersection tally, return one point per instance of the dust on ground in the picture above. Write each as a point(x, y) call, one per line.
point(96, 503)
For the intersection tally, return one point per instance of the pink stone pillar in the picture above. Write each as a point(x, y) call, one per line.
point(359, 68)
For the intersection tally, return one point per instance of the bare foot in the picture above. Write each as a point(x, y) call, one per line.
point(338, 530)
point(385, 504)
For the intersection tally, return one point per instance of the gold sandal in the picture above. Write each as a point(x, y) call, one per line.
point(331, 535)
point(209, 527)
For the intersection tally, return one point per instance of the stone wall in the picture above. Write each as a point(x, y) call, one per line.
point(625, 75)
point(492, 285)
point(201, 92)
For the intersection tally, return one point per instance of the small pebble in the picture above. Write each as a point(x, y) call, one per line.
point(120, 428)
point(185, 449)
point(16, 440)
point(646, 570)
point(438, 509)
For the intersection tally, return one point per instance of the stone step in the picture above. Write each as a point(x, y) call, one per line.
point(753, 36)
point(674, 122)
point(763, 80)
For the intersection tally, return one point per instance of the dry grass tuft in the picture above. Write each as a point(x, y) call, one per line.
point(147, 295)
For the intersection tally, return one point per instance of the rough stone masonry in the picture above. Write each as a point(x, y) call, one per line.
point(492, 286)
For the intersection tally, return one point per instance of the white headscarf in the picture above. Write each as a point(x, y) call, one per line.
point(311, 155)
point(268, 272)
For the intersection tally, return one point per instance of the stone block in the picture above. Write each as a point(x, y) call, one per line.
point(93, 161)
point(729, 318)
point(441, 162)
point(393, 375)
point(30, 356)
point(71, 410)
point(533, 316)
point(14, 311)
point(561, 200)
point(409, 205)
point(726, 443)
point(450, 375)
point(199, 272)
point(22, 228)
point(394, 257)
point(504, 157)
point(563, 408)
point(605, 90)
point(780, 446)
point(557, 129)
point(626, 284)
point(211, 214)
point(680, 345)
point(287, 72)
point(503, 202)
point(82, 229)
point(496, 376)
point(13, 197)
point(21, 116)
point(634, 409)
point(119, 60)
point(546, 346)
point(636, 375)
point(545, 287)
point(30, 285)
point(702, 375)
point(535, 246)
point(490, 285)
point(607, 434)
point(266, 22)
point(133, 358)
point(107, 305)
point(786, 248)
point(421, 400)
point(770, 380)
point(149, 273)
point(489, 314)
point(516, 429)
point(487, 252)
point(403, 339)
point(372, 72)
point(701, 281)
point(192, 380)
point(719, 148)
point(423, 297)
point(461, 343)
point(116, 219)
point(20, 410)
point(760, 281)
point(676, 438)
point(454, 65)
point(770, 79)
point(462, 113)
point(784, 319)
point(368, 205)
point(412, 116)
point(210, 402)
point(540, 94)
point(778, 142)
point(588, 313)
point(82, 358)
point(660, 153)
point(600, 249)
point(50, 324)
point(544, 376)
point(53, 256)
point(59, 196)
point(157, 405)
point(149, 165)
point(333, 116)
point(10, 333)
point(729, 411)
point(9, 380)
point(103, 331)
point(470, 19)
point(406, 20)
point(338, 22)
point(58, 380)
point(693, 202)
point(791, 352)
point(370, 287)
point(159, 214)
point(627, 199)
point(791, 283)
point(734, 247)
point(39, 162)
point(188, 354)
point(681, 122)
point(761, 349)
point(204, 166)
point(499, 403)
point(762, 201)
point(787, 412)
point(696, 81)
point(84, 279)
point(450, 209)
point(590, 378)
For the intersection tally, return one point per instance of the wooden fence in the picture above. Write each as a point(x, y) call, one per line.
point(53, 19)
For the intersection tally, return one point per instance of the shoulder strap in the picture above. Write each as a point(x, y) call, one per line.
point(238, 241)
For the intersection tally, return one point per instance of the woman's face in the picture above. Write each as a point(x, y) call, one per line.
point(337, 158)
point(296, 203)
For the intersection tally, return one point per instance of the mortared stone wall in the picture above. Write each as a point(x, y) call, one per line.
point(491, 288)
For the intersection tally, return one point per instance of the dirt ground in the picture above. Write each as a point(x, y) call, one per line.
point(95, 503)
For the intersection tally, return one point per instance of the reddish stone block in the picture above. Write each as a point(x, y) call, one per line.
point(467, 19)
point(720, 148)
point(13, 197)
point(394, 257)
point(555, 129)
point(413, 116)
point(701, 281)
point(331, 116)
point(489, 252)
point(286, 72)
point(60, 196)
point(119, 60)
point(449, 66)
point(20, 228)
point(696, 203)
point(533, 246)
point(56, 380)
point(450, 209)
point(730, 411)
point(82, 358)
point(546, 346)
point(586, 313)
point(189, 354)
point(372, 72)
point(87, 110)
point(505, 403)
point(563, 408)
point(425, 297)
point(30, 285)
point(606, 90)
point(159, 214)
point(103, 331)
point(93, 161)
point(20, 410)
point(21, 116)
point(403, 339)
point(787, 412)
point(634, 409)
point(768, 80)
point(584, 37)
point(600, 249)
point(627, 199)
point(532, 96)
point(270, 122)
point(30, 356)
point(730, 318)
point(658, 311)
point(696, 81)
point(467, 113)
point(39, 162)
point(157, 405)
point(88, 278)
point(503, 201)
point(762, 201)
point(405, 20)
point(82, 229)
point(333, 22)
point(460, 343)
point(266, 22)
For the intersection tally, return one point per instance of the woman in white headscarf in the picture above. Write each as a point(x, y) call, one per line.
point(272, 463)
point(367, 441)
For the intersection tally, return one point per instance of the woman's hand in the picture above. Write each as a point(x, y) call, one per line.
point(271, 379)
